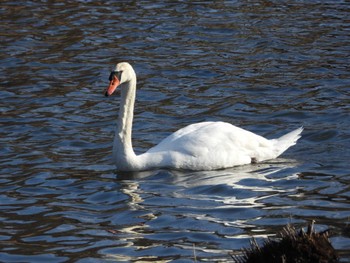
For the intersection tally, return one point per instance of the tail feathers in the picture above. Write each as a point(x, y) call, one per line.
point(287, 140)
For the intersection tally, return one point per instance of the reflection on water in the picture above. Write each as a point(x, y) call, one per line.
point(184, 199)
point(266, 66)
point(228, 186)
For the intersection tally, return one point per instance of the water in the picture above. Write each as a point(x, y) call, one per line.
point(267, 66)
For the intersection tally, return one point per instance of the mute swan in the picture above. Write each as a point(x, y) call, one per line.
point(199, 146)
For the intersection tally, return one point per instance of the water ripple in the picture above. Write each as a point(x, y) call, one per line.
point(269, 67)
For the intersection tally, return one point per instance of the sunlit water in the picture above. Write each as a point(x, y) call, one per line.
point(267, 66)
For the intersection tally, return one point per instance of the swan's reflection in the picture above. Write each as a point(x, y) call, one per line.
point(263, 177)
point(273, 171)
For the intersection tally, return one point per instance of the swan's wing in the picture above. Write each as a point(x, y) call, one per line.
point(214, 145)
point(183, 140)
point(213, 140)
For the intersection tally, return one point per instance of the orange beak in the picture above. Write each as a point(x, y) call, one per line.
point(113, 84)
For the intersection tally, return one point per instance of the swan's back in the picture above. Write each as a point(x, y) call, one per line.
point(214, 145)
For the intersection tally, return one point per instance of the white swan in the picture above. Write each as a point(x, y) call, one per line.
point(200, 146)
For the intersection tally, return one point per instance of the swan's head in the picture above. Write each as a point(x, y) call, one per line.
point(122, 73)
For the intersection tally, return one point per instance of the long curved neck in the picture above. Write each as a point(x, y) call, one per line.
point(126, 111)
point(124, 153)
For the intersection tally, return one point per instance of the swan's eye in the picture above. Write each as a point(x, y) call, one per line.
point(118, 74)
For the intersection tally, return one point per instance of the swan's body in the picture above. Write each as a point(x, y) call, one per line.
point(200, 146)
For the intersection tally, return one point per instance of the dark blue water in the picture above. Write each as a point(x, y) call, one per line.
point(267, 66)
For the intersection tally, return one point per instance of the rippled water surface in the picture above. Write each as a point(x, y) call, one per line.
point(267, 66)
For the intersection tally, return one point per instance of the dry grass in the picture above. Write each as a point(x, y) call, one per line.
point(292, 247)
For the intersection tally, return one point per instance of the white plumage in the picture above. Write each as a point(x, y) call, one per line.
point(199, 146)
